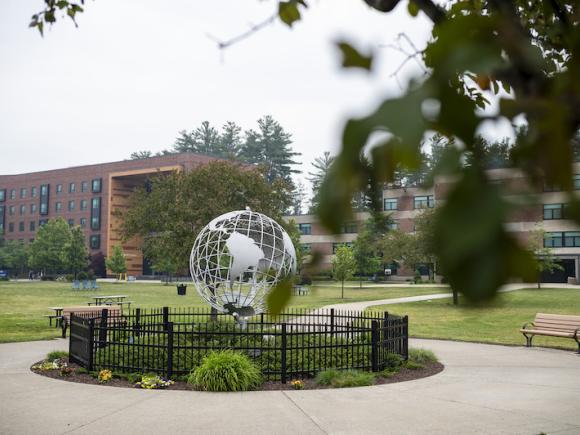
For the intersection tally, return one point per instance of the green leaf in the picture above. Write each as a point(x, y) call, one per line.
point(352, 58)
point(413, 8)
point(288, 11)
point(279, 297)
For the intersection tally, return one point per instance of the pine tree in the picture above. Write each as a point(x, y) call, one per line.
point(230, 141)
point(185, 142)
point(270, 146)
point(206, 140)
point(321, 167)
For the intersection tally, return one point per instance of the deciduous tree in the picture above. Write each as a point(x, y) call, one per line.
point(343, 265)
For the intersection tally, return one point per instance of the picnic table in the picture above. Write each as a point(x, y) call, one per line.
point(111, 300)
point(57, 316)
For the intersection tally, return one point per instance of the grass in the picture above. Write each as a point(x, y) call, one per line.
point(498, 322)
point(345, 378)
point(24, 304)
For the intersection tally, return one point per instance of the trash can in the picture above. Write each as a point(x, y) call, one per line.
point(181, 289)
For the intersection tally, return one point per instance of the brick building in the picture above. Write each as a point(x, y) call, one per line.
point(546, 208)
point(85, 196)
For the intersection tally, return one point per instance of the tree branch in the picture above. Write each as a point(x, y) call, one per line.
point(222, 45)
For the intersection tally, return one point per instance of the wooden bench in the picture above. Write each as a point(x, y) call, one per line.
point(114, 314)
point(552, 325)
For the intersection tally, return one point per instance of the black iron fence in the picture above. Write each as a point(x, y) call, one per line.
point(297, 343)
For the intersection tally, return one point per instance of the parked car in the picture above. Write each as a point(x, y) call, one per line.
point(3, 274)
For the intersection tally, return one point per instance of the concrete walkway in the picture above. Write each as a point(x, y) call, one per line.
point(484, 389)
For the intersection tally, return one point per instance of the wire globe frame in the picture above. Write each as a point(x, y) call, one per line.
point(238, 258)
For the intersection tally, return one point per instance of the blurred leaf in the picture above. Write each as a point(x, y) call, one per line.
point(413, 8)
point(352, 58)
point(288, 11)
point(476, 253)
point(279, 297)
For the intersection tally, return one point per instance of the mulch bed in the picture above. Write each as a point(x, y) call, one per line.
point(309, 383)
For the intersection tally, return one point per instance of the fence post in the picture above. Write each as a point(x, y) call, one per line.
point(169, 349)
point(386, 336)
point(90, 344)
point(406, 337)
point(332, 320)
point(165, 317)
point(137, 321)
point(283, 356)
point(375, 346)
point(103, 327)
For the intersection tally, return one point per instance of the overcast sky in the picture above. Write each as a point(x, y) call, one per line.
point(135, 72)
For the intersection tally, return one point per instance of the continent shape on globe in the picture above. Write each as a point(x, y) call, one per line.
point(245, 254)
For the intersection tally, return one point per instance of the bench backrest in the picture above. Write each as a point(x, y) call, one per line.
point(91, 311)
point(557, 322)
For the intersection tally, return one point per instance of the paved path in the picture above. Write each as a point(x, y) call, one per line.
point(484, 389)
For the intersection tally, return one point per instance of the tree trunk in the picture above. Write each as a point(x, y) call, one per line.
point(342, 290)
point(455, 297)
point(360, 281)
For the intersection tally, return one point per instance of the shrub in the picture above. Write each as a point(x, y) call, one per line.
point(69, 277)
point(393, 361)
point(133, 378)
point(389, 373)
point(343, 379)
point(82, 276)
point(56, 354)
point(226, 370)
point(327, 376)
point(417, 277)
point(422, 356)
point(66, 371)
point(412, 365)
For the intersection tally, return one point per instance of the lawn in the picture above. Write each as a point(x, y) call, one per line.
point(23, 304)
point(497, 323)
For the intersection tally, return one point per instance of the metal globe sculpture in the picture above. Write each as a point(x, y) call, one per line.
point(238, 258)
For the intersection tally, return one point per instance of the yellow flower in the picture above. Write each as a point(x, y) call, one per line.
point(105, 375)
point(297, 384)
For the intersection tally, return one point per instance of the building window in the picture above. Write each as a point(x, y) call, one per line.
point(553, 240)
point(391, 204)
point(32, 208)
point(33, 192)
point(13, 194)
point(32, 226)
point(72, 188)
point(58, 206)
point(96, 213)
point(305, 229)
point(11, 227)
point(83, 204)
point(22, 192)
point(71, 222)
point(59, 188)
point(20, 226)
point(306, 248)
point(555, 211)
point(42, 222)
point(2, 219)
point(96, 185)
point(572, 239)
point(83, 222)
point(423, 202)
point(22, 209)
point(11, 210)
point(84, 186)
point(350, 228)
point(2, 195)
point(71, 205)
point(335, 246)
point(394, 225)
point(95, 241)
point(44, 196)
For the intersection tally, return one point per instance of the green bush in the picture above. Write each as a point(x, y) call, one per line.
point(327, 376)
point(393, 361)
point(345, 379)
point(422, 356)
point(226, 370)
point(82, 276)
point(412, 365)
point(69, 278)
point(389, 373)
point(56, 354)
